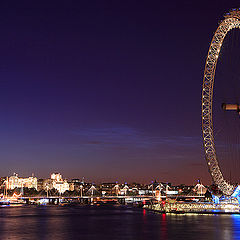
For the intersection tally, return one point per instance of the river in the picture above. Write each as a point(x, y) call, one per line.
point(111, 222)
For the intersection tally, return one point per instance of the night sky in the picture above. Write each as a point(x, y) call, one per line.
point(108, 90)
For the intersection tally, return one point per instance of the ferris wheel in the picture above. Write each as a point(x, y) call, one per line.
point(231, 21)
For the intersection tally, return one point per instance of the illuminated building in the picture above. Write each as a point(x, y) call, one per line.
point(71, 186)
point(45, 184)
point(58, 183)
point(56, 177)
point(17, 182)
point(76, 185)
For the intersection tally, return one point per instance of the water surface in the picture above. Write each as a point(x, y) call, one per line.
point(109, 222)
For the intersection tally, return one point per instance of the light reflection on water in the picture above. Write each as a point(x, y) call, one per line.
point(236, 226)
point(112, 223)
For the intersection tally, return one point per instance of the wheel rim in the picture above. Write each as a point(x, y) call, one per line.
point(231, 21)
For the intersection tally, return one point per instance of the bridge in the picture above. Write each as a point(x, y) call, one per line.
point(100, 199)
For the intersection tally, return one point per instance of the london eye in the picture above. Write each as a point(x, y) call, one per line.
point(218, 44)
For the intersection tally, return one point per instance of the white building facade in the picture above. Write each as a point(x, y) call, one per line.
point(58, 183)
point(19, 182)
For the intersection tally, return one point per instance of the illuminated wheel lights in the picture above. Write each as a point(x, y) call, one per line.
point(231, 21)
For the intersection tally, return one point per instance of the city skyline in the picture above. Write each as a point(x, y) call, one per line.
point(90, 181)
point(105, 90)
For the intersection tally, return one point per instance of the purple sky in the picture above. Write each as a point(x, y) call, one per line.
point(109, 90)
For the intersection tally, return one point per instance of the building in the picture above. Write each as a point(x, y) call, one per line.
point(56, 177)
point(44, 184)
point(18, 182)
point(75, 185)
point(109, 188)
point(58, 183)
